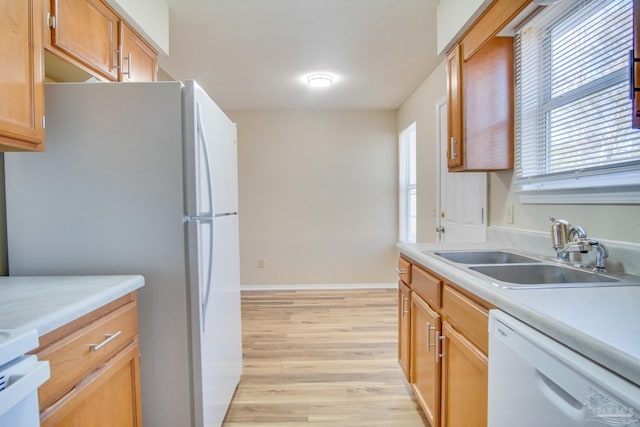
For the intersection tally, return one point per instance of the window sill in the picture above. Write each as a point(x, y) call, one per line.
point(614, 195)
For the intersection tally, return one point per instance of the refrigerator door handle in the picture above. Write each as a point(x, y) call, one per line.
point(206, 289)
point(202, 139)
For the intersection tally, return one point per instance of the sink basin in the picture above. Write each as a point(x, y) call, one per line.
point(485, 257)
point(543, 275)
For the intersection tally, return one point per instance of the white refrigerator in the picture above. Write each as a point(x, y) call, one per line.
point(142, 178)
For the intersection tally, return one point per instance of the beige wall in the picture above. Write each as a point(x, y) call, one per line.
point(421, 108)
point(318, 196)
point(612, 222)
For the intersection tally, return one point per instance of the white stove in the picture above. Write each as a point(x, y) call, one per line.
point(20, 377)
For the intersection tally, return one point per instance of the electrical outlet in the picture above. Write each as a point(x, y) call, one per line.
point(261, 263)
point(509, 216)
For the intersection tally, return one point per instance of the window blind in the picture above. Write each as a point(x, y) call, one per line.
point(572, 115)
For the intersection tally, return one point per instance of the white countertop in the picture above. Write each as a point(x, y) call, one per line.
point(46, 303)
point(602, 323)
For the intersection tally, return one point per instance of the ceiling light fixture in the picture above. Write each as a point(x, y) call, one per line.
point(319, 80)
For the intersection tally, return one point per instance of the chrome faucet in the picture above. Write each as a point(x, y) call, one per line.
point(567, 238)
point(601, 253)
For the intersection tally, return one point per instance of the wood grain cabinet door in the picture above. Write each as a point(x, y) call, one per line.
point(404, 328)
point(464, 382)
point(454, 108)
point(425, 367)
point(108, 397)
point(635, 66)
point(138, 61)
point(21, 76)
point(86, 31)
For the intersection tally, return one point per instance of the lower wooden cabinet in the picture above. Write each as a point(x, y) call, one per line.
point(464, 381)
point(404, 328)
point(448, 338)
point(95, 371)
point(425, 364)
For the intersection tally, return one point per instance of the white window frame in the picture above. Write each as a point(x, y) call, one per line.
point(612, 185)
point(407, 155)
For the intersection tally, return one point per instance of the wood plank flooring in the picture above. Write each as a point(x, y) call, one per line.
point(322, 358)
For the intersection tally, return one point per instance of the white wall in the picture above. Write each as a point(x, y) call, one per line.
point(318, 196)
point(421, 108)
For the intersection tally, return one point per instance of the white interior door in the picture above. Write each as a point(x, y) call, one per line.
point(461, 214)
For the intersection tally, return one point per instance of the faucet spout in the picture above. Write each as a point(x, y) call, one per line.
point(601, 253)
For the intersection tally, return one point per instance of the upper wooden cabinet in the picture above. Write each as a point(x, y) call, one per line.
point(480, 81)
point(85, 32)
point(454, 108)
point(91, 36)
point(21, 76)
point(635, 70)
point(138, 60)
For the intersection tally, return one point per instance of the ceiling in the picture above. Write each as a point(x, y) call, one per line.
point(253, 54)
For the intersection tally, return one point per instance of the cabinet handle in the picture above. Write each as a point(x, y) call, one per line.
point(401, 271)
point(115, 58)
point(128, 72)
point(632, 77)
point(439, 338)
point(452, 142)
point(107, 340)
point(429, 345)
point(404, 306)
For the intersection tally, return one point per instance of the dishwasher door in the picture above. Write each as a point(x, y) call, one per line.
point(535, 381)
point(19, 382)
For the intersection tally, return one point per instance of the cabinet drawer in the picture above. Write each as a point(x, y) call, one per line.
point(109, 396)
point(467, 316)
point(427, 286)
point(404, 271)
point(75, 356)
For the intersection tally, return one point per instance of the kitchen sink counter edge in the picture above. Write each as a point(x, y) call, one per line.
point(602, 323)
point(46, 303)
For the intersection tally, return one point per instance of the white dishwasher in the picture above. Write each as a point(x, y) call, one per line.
point(535, 381)
point(20, 377)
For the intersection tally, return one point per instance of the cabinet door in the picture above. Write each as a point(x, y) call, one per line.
point(635, 116)
point(425, 365)
point(85, 31)
point(454, 108)
point(464, 382)
point(137, 59)
point(21, 76)
point(404, 328)
point(108, 397)
point(488, 83)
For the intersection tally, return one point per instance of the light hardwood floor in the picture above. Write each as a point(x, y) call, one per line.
point(322, 358)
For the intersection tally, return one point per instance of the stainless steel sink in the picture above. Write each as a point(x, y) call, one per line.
point(546, 276)
point(485, 257)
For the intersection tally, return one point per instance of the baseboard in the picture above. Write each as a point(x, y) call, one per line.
point(316, 287)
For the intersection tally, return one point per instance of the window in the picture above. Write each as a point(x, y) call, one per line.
point(573, 129)
point(408, 211)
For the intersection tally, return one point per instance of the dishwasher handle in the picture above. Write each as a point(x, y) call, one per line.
point(560, 398)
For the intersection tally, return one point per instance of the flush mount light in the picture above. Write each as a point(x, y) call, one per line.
point(319, 80)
